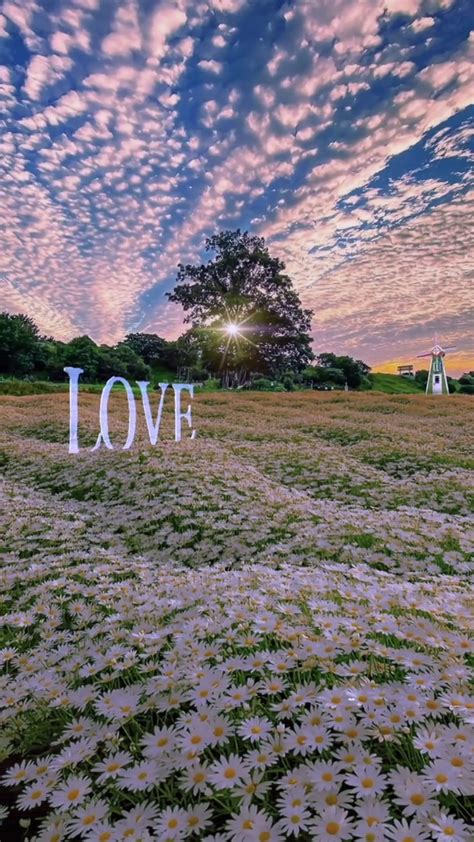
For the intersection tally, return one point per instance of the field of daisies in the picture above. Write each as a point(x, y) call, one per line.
point(263, 634)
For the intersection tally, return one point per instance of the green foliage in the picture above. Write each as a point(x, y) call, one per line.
point(466, 383)
point(211, 384)
point(244, 285)
point(150, 347)
point(421, 377)
point(262, 384)
point(352, 370)
point(18, 339)
point(273, 352)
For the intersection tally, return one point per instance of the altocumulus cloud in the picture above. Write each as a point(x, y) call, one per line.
point(341, 130)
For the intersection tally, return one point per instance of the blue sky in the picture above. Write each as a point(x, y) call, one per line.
point(341, 130)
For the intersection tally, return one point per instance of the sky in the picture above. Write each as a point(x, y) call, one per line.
point(340, 130)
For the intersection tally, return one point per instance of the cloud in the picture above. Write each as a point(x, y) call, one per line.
point(339, 130)
point(211, 65)
point(125, 36)
point(421, 24)
point(166, 20)
point(44, 71)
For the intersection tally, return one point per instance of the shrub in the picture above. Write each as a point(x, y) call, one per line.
point(262, 384)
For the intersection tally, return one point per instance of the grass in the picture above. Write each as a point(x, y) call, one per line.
point(20, 388)
point(390, 384)
point(393, 384)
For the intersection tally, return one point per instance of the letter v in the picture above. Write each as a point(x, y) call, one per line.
point(153, 429)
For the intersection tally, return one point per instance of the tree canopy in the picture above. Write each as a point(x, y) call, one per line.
point(18, 339)
point(243, 285)
point(353, 371)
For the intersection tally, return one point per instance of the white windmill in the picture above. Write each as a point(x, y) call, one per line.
point(437, 383)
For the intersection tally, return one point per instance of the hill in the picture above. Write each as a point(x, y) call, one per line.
point(393, 384)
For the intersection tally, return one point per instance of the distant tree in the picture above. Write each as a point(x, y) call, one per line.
point(466, 383)
point(183, 352)
point(19, 337)
point(363, 368)
point(50, 359)
point(244, 285)
point(336, 376)
point(312, 375)
point(83, 352)
point(355, 371)
point(148, 346)
point(128, 363)
point(421, 377)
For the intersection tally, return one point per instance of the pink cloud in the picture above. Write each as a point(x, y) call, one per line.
point(210, 65)
point(125, 36)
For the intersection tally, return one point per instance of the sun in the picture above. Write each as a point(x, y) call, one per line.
point(232, 329)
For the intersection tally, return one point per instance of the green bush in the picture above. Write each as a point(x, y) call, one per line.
point(262, 384)
point(211, 384)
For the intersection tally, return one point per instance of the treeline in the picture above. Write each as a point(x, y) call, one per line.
point(26, 354)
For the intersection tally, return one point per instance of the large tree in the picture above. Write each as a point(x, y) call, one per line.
point(244, 286)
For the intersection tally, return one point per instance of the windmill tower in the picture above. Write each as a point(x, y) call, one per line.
point(437, 383)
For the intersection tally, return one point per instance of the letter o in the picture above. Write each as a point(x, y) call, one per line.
point(103, 414)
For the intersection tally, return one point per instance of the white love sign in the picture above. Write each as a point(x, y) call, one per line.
point(153, 427)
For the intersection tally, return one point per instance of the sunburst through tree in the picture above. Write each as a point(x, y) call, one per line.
point(245, 314)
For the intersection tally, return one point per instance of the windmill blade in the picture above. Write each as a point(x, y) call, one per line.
point(428, 354)
point(451, 348)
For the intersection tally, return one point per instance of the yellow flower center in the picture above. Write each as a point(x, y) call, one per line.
point(87, 820)
point(333, 828)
